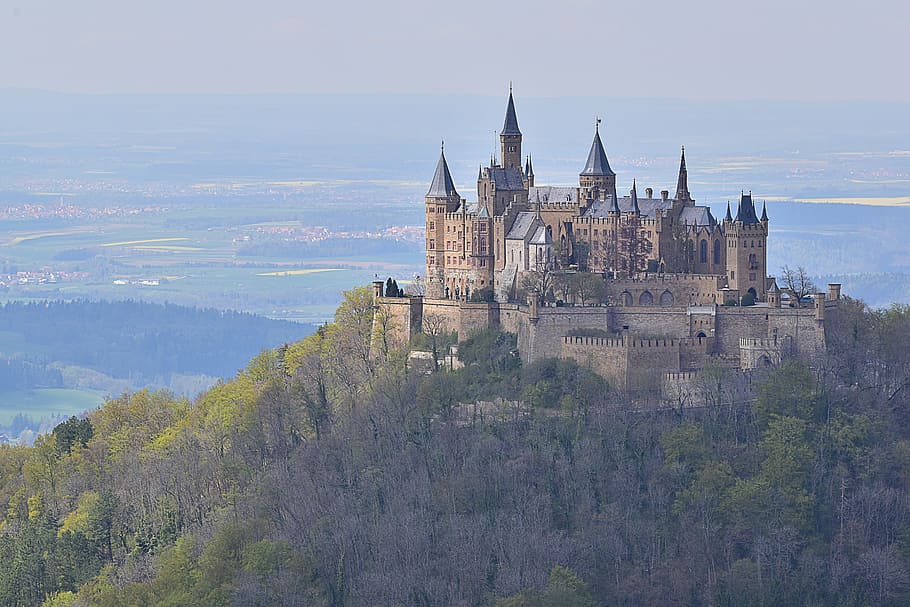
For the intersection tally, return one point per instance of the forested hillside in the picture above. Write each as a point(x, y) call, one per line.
point(143, 342)
point(321, 475)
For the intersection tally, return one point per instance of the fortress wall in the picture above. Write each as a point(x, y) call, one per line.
point(625, 362)
point(650, 360)
point(444, 312)
point(607, 358)
point(694, 351)
point(544, 338)
point(654, 321)
point(759, 321)
point(401, 317)
point(510, 317)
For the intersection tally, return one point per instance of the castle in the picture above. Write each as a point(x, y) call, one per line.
point(642, 289)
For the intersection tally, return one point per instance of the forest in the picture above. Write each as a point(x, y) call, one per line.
point(330, 473)
point(144, 342)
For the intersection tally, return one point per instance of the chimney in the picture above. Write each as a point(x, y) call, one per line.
point(833, 291)
point(649, 192)
point(664, 194)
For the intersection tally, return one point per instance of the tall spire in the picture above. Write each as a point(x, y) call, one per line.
point(597, 164)
point(529, 169)
point(442, 185)
point(764, 211)
point(729, 215)
point(682, 184)
point(510, 126)
point(635, 208)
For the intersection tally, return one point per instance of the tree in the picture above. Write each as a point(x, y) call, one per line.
point(72, 431)
point(798, 284)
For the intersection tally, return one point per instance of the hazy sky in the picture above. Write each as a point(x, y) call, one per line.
point(697, 49)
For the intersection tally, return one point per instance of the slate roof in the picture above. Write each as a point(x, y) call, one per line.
point(597, 164)
point(442, 185)
point(552, 193)
point(647, 206)
point(525, 222)
point(508, 179)
point(700, 216)
point(541, 236)
point(510, 126)
point(746, 210)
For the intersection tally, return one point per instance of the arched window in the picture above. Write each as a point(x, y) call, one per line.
point(666, 298)
point(646, 299)
point(626, 298)
point(716, 252)
point(703, 251)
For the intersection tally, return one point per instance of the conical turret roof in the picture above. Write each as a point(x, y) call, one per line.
point(729, 215)
point(510, 126)
point(764, 211)
point(597, 164)
point(442, 185)
point(634, 194)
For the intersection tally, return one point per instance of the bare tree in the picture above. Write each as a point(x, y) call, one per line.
point(797, 283)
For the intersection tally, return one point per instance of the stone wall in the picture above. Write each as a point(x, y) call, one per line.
point(625, 363)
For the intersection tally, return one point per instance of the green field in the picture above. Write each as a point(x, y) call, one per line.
point(42, 403)
point(189, 256)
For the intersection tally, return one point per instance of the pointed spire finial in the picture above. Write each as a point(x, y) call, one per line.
point(442, 146)
point(682, 182)
point(634, 193)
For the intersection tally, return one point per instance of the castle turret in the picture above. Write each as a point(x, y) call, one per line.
point(747, 239)
point(682, 182)
point(510, 137)
point(441, 198)
point(529, 172)
point(597, 177)
point(634, 195)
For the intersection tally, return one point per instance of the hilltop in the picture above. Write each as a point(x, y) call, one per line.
point(324, 475)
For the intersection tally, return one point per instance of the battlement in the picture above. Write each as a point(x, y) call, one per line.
point(760, 342)
point(622, 342)
point(682, 376)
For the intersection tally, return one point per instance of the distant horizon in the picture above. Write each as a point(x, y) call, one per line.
point(698, 50)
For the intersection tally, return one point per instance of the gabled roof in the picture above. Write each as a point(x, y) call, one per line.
point(525, 225)
point(510, 126)
point(542, 235)
point(552, 193)
point(597, 164)
point(442, 185)
point(699, 216)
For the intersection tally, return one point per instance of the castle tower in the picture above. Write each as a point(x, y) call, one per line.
point(747, 258)
point(682, 182)
point(597, 178)
point(510, 138)
point(441, 198)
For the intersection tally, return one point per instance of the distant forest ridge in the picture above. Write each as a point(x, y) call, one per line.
point(139, 341)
